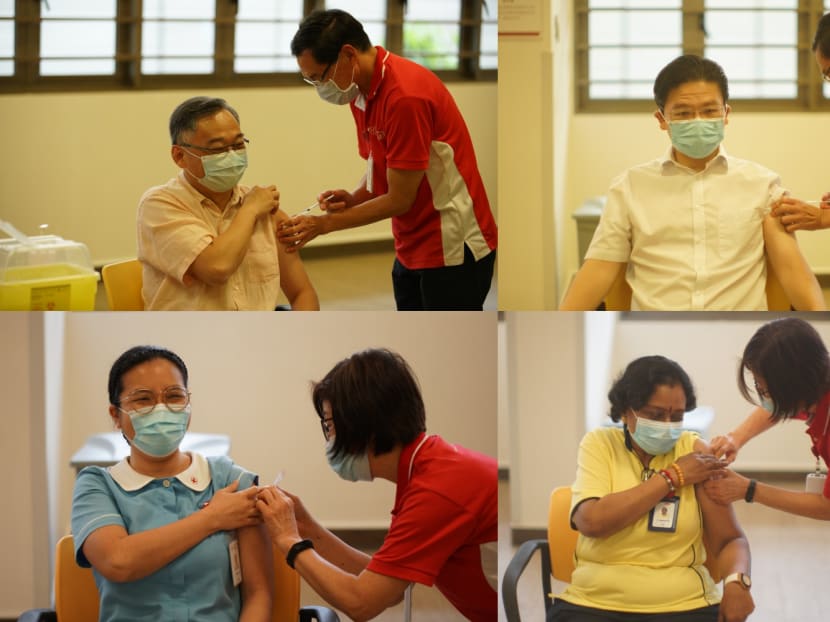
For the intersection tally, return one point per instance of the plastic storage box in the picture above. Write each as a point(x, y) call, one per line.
point(45, 273)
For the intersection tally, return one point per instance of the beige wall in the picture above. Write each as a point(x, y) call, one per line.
point(80, 162)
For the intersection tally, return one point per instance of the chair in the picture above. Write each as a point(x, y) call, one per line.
point(619, 296)
point(76, 596)
point(122, 282)
point(557, 554)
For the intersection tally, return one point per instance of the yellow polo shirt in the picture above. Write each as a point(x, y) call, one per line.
point(637, 570)
point(175, 224)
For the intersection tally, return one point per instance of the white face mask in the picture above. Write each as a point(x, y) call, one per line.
point(223, 170)
point(330, 92)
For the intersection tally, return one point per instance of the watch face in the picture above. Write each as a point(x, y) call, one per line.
point(746, 581)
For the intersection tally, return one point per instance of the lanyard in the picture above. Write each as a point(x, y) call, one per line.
point(821, 439)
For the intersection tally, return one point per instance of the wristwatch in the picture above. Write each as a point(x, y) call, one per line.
point(740, 578)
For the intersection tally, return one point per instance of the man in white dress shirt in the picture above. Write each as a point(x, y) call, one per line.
point(692, 228)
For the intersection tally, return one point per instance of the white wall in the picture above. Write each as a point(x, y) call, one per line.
point(81, 161)
point(24, 537)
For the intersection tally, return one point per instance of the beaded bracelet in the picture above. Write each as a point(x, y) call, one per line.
point(667, 477)
point(680, 478)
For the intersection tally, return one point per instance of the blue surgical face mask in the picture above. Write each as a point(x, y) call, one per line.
point(352, 468)
point(330, 92)
point(767, 404)
point(696, 138)
point(656, 437)
point(223, 170)
point(159, 432)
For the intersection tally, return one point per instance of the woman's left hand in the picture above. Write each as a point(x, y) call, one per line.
point(736, 604)
point(296, 232)
point(277, 510)
point(726, 488)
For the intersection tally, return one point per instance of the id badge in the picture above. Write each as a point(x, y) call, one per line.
point(370, 183)
point(663, 516)
point(236, 564)
point(815, 482)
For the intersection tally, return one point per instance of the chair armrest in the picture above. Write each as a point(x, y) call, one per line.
point(38, 615)
point(514, 571)
point(321, 614)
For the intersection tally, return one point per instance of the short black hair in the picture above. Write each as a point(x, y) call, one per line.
point(136, 356)
point(688, 68)
point(326, 32)
point(634, 387)
point(375, 402)
point(791, 358)
point(187, 114)
point(821, 41)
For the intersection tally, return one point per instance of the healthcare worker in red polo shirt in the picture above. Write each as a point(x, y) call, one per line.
point(790, 370)
point(444, 522)
point(421, 167)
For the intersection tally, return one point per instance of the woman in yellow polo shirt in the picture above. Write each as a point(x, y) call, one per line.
point(642, 519)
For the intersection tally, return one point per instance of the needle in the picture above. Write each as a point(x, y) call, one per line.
point(278, 478)
point(313, 205)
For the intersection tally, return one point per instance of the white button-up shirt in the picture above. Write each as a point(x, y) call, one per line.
point(692, 240)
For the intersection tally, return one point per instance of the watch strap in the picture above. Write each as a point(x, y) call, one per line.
point(296, 549)
point(740, 578)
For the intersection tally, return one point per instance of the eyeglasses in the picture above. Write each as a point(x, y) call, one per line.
point(687, 114)
point(242, 144)
point(326, 424)
point(761, 392)
point(655, 413)
point(144, 401)
point(323, 75)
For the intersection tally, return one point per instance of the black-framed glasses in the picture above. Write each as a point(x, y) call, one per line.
point(323, 75)
point(143, 401)
point(327, 424)
point(237, 146)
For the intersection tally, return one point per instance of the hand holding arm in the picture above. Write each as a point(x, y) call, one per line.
point(727, 445)
point(795, 214)
point(122, 557)
point(222, 257)
point(791, 268)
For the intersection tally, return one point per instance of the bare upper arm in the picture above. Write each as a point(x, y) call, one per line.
point(257, 560)
point(378, 592)
point(719, 523)
point(403, 186)
point(99, 546)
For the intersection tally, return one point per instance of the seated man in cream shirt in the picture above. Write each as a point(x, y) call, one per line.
point(693, 228)
point(205, 242)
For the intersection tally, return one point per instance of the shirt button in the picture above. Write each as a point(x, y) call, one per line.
point(166, 483)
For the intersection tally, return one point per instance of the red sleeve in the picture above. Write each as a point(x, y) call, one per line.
point(426, 531)
point(409, 134)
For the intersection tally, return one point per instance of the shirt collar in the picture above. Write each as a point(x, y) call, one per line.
point(236, 195)
point(719, 162)
point(377, 77)
point(196, 476)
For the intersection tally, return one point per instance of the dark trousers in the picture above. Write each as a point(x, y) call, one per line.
point(566, 612)
point(451, 288)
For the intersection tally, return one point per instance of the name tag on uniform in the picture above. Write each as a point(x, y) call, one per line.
point(236, 563)
point(663, 516)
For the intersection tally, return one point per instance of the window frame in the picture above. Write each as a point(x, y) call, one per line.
point(809, 84)
point(127, 74)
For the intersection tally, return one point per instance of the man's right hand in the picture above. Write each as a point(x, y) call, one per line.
point(263, 200)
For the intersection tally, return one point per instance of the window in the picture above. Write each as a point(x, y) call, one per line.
point(110, 44)
point(762, 45)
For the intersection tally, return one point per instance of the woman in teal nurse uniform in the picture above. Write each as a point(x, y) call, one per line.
point(166, 532)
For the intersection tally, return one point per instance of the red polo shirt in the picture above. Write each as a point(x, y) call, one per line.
point(410, 121)
point(443, 515)
point(818, 433)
